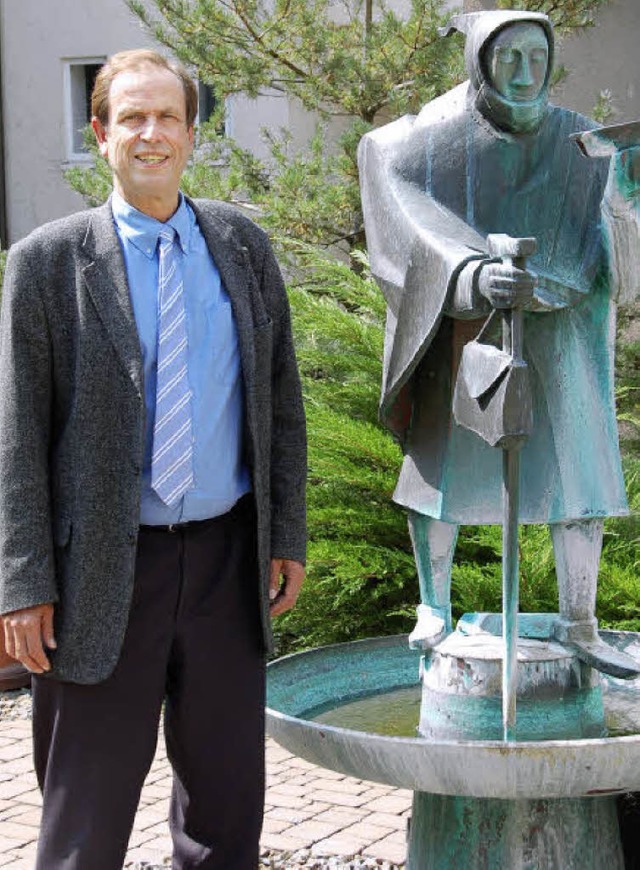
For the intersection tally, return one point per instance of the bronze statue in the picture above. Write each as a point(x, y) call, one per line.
point(493, 156)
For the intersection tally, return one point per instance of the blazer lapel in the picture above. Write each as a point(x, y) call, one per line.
point(106, 280)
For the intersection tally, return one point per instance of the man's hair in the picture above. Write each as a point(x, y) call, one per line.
point(126, 61)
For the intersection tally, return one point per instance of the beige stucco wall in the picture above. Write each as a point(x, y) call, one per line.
point(604, 57)
point(37, 36)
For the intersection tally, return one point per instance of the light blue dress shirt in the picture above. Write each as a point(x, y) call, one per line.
point(215, 377)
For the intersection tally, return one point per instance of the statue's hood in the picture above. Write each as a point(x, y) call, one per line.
point(479, 28)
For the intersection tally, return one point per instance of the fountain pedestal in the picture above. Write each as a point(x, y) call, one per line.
point(478, 803)
point(558, 698)
point(487, 834)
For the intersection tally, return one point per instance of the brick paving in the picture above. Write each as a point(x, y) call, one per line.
point(307, 808)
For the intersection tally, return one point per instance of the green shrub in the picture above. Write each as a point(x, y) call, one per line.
point(361, 577)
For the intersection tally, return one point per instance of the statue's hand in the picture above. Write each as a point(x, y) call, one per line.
point(505, 285)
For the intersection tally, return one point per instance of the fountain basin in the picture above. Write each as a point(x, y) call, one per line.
point(300, 684)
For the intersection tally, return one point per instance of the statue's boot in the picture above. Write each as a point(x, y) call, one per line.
point(583, 640)
point(433, 625)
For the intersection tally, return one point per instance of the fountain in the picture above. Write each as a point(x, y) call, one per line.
point(523, 728)
point(478, 803)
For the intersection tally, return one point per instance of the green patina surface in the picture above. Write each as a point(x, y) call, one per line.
point(453, 832)
point(301, 684)
point(578, 714)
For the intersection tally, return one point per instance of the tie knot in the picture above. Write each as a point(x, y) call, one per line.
point(166, 237)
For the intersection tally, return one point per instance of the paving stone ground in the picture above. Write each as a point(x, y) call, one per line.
point(307, 808)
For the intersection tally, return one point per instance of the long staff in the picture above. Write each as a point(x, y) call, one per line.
point(516, 250)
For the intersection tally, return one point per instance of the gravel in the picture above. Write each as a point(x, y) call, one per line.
point(304, 860)
point(301, 860)
point(16, 705)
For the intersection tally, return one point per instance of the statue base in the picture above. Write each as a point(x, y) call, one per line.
point(559, 697)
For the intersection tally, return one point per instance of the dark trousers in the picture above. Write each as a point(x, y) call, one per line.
point(194, 641)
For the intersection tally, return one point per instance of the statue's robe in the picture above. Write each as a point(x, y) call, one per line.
point(433, 187)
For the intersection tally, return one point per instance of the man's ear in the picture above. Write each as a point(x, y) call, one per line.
point(191, 134)
point(101, 135)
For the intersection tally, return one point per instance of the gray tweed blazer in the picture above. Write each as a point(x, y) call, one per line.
point(72, 423)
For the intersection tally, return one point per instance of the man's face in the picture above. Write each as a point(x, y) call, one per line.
point(147, 141)
point(517, 60)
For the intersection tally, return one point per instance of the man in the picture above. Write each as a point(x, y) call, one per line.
point(152, 499)
point(492, 156)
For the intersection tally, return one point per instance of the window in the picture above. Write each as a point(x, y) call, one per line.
point(80, 75)
point(206, 102)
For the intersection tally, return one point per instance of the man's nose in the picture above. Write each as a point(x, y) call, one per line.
point(150, 129)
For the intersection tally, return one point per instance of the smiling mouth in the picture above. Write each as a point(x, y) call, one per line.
point(151, 159)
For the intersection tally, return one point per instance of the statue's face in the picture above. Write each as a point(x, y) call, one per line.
point(517, 60)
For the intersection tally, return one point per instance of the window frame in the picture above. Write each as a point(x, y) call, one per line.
point(71, 155)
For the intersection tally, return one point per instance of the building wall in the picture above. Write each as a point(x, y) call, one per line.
point(34, 49)
point(38, 38)
point(604, 58)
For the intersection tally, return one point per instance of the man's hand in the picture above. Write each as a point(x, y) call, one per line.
point(26, 634)
point(505, 285)
point(284, 585)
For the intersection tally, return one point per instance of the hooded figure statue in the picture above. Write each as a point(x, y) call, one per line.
point(492, 156)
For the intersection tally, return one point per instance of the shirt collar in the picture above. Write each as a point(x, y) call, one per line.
point(142, 230)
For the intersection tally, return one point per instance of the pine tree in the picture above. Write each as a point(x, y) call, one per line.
point(356, 59)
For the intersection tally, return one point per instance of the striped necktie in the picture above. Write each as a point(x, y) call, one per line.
point(172, 460)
